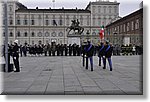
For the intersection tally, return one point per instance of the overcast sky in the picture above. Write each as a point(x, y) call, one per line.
point(126, 6)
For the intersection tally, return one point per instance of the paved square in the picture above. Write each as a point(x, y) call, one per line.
point(65, 75)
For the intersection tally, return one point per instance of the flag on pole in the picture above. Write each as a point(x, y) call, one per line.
point(101, 34)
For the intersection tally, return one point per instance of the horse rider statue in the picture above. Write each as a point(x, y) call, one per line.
point(75, 27)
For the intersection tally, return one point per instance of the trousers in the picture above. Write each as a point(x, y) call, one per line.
point(109, 61)
point(91, 62)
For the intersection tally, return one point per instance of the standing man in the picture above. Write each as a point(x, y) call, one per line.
point(89, 54)
point(108, 54)
point(16, 55)
point(101, 52)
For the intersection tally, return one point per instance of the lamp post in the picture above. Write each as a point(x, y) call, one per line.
point(6, 35)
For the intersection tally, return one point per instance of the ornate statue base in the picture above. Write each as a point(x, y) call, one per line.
point(74, 38)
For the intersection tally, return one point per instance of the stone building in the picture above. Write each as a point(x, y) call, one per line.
point(127, 30)
point(37, 25)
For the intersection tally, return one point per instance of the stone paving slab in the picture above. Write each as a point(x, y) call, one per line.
point(66, 76)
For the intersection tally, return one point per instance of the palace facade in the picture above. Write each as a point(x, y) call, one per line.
point(37, 25)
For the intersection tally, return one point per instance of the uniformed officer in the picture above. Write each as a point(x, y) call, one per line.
point(70, 50)
point(101, 51)
point(83, 47)
point(16, 55)
point(89, 54)
point(108, 54)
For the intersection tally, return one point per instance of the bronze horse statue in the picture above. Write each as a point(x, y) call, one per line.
point(75, 27)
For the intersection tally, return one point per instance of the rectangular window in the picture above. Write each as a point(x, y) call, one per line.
point(47, 23)
point(11, 22)
point(32, 22)
point(132, 25)
point(18, 22)
point(60, 22)
point(25, 22)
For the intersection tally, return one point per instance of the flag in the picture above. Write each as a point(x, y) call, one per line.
point(101, 34)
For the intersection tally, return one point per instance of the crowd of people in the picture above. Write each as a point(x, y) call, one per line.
point(104, 51)
point(73, 50)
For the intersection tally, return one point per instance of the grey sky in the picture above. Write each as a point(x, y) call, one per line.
point(126, 6)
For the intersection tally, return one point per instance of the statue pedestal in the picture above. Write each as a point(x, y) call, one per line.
point(74, 39)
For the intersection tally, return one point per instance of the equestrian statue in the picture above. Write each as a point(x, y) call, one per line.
point(75, 27)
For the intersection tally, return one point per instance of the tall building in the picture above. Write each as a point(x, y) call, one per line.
point(126, 30)
point(35, 26)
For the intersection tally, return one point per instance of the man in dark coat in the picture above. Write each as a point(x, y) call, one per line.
point(83, 47)
point(89, 49)
point(66, 49)
point(101, 52)
point(108, 54)
point(70, 50)
point(16, 55)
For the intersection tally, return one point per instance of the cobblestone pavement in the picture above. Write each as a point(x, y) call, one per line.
point(66, 76)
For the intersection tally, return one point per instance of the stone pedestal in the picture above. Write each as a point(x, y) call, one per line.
point(74, 39)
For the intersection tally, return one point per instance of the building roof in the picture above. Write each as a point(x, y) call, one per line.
point(102, 3)
point(126, 17)
point(54, 10)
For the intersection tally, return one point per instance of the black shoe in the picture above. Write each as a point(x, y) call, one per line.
point(16, 71)
point(104, 67)
point(110, 69)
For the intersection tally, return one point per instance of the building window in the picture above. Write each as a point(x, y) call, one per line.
point(67, 19)
point(74, 17)
point(32, 42)
point(18, 22)
point(60, 34)
point(110, 9)
point(99, 9)
point(93, 9)
point(3, 34)
point(11, 22)
point(32, 22)
point(99, 21)
point(47, 23)
point(60, 22)
point(47, 34)
point(18, 34)
point(25, 22)
point(81, 20)
point(132, 25)
point(32, 34)
point(25, 34)
point(115, 9)
point(54, 34)
point(124, 28)
point(104, 9)
point(39, 34)
point(128, 26)
point(94, 20)
point(88, 20)
point(11, 34)
point(137, 24)
point(93, 33)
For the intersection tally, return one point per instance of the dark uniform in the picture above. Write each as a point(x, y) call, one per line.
point(108, 54)
point(16, 57)
point(89, 54)
point(101, 52)
point(70, 50)
point(66, 49)
point(83, 47)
